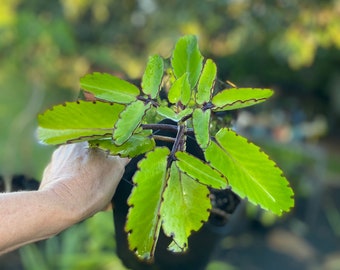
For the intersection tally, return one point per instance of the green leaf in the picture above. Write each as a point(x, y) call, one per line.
point(206, 82)
point(171, 114)
point(167, 112)
point(136, 145)
point(107, 87)
point(152, 77)
point(180, 90)
point(186, 112)
point(187, 58)
point(144, 218)
point(201, 124)
point(78, 121)
point(129, 120)
point(236, 98)
point(199, 170)
point(250, 172)
point(183, 208)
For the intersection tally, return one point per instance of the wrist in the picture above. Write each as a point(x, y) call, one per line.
point(64, 213)
point(29, 216)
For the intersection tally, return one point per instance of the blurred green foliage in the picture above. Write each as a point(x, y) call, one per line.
point(88, 245)
point(46, 46)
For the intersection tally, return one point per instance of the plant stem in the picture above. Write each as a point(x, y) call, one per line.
point(164, 138)
point(167, 127)
point(177, 144)
point(147, 100)
point(207, 106)
point(160, 127)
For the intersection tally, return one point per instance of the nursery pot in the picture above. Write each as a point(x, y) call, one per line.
point(225, 216)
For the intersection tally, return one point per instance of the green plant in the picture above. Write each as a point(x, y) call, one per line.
point(74, 249)
point(171, 187)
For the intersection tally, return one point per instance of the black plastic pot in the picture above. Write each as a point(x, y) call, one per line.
point(227, 211)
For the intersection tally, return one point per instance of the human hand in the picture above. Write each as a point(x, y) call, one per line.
point(83, 179)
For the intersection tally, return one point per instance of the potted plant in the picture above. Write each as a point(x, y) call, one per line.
point(180, 160)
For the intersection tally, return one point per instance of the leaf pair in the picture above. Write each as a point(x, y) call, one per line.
point(113, 89)
point(228, 99)
point(100, 123)
point(174, 197)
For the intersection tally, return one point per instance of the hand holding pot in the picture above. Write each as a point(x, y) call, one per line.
point(76, 184)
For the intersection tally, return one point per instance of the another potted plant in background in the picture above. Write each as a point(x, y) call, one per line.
point(184, 161)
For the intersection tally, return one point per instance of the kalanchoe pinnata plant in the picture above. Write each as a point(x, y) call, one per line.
point(171, 186)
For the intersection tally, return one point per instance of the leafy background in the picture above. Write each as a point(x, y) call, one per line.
point(290, 46)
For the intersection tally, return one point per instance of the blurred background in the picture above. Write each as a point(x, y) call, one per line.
point(290, 46)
